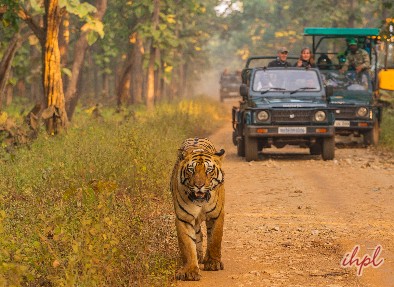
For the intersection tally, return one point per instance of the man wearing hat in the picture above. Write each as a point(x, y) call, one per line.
point(281, 60)
point(357, 59)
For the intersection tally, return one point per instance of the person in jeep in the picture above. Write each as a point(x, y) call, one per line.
point(281, 60)
point(306, 59)
point(357, 59)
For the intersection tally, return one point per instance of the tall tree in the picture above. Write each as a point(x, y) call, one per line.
point(55, 112)
point(150, 90)
point(79, 54)
point(5, 64)
point(46, 29)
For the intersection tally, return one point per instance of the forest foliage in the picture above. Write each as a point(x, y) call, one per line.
point(176, 40)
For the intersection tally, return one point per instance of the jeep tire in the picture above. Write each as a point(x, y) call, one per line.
point(241, 147)
point(328, 148)
point(251, 149)
point(234, 137)
point(371, 137)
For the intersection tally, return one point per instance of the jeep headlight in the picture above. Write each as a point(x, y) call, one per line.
point(362, 112)
point(320, 116)
point(262, 116)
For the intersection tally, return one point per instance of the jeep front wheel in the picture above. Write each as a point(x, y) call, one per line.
point(251, 149)
point(241, 147)
point(371, 137)
point(328, 148)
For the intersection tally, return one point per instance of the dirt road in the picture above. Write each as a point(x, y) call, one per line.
point(291, 218)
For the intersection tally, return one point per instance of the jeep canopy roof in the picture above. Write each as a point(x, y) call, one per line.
point(341, 32)
point(320, 33)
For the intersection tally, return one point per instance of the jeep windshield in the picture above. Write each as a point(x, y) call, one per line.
point(285, 80)
point(349, 81)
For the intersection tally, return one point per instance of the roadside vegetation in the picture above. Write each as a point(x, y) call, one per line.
point(387, 135)
point(92, 207)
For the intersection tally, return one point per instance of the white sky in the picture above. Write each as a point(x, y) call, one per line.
point(226, 7)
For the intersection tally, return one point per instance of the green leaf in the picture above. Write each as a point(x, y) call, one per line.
point(92, 37)
point(67, 72)
point(138, 12)
point(162, 27)
point(82, 10)
point(94, 25)
point(36, 6)
point(12, 81)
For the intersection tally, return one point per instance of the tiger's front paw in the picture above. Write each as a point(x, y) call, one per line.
point(213, 265)
point(188, 274)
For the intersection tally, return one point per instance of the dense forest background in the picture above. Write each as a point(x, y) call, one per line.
point(56, 54)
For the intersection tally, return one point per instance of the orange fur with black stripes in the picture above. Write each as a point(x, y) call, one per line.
point(197, 186)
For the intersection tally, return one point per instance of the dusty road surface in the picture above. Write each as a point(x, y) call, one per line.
point(291, 218)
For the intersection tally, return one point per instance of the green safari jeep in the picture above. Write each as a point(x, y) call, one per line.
point(282, 106)
point(358, 111)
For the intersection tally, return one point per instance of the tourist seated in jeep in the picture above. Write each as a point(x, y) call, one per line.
point(281, 60)
point(324, 62)
point(357, 59)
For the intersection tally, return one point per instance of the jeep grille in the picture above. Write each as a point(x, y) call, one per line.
point(292, 116)
point(345, 112)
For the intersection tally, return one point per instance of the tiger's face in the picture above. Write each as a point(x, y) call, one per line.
point(200, 175)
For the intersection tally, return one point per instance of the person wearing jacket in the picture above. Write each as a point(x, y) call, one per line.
point(357, 59)
point(281, 60)
point(306, 59)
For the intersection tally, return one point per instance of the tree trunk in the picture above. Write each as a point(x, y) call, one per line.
point(352, 17)
point(173, 87)
point(9, 94)
point(105, 86)
point(5, 64)
point(55, 114)
point(137, 71)
point(64, 39)
point(36, 85)
point(73, 102)
point(158, 76)
point(150, 89)
point(181, 76)
point(123, 87)
point(80, 49)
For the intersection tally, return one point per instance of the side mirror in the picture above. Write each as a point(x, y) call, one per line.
point(244, 91)
point(329, 91)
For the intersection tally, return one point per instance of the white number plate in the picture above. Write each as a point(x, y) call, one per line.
point(292, 130)
point(342, 124)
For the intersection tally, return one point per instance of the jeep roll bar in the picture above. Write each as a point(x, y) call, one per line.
point(253, 58)
point(325, 33)
point(318, 34)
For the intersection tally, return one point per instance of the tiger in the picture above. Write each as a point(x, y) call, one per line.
point(197, 187)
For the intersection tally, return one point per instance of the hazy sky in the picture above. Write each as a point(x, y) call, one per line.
point(227, 7)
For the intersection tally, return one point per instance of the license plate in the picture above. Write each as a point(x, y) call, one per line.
point(342, 124)
point(233, 93)
point(292, 130)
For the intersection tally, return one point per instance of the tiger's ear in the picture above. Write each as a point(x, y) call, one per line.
point(220, 154)
point(181, 154)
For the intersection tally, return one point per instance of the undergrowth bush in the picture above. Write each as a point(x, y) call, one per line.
point(387, 127)
point(92, 207)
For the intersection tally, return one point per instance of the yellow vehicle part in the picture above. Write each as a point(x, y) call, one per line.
point(386, 79)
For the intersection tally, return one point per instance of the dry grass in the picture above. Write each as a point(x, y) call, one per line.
point(92, 207)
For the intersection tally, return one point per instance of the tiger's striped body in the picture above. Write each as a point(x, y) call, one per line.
point(198, 194)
